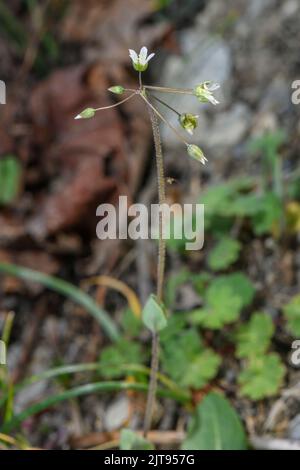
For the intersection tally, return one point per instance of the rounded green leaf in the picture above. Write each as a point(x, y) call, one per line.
point(153, 315)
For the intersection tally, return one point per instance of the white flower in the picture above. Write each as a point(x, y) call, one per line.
point(140, 61)
point(204, 92)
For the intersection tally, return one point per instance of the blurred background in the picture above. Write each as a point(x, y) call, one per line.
point(58, 57)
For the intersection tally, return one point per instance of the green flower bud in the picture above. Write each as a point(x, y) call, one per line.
point(204, 92)
point(195, 152)
point(86, 113)
point(189, 122)
point(140, 67)
point(118, 89)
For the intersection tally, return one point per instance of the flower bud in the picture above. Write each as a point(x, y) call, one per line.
point(195, 152)
point(189, 122)
point(118, 89)
point(86, 114)
point(204, 92)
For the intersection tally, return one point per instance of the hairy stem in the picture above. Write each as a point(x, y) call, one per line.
point(160, 269)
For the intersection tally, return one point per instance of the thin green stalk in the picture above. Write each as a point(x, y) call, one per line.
point(166, 105)
point(160, 266)
point(67, 289)
point(117, 104)
point(183, 91)
point(164, 119)
point(82, 390)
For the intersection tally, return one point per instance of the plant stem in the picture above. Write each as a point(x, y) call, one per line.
point(164, 119)
point(160, 267)
point(116, 104)
point(165, 104)
point(183, 91)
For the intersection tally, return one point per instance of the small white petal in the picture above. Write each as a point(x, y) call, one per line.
point(143, 54)
point(133, 55)
point(78, 117)
point(212, 99)
point(150, 57)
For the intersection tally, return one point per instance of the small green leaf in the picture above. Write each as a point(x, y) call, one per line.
point(254, 338)
point(153, 315)
point(202, 369)
point(292, 313)
point(183, 356)
point(112, 358)
point(225, 253)
point(221, 309)
point(262, 377)
point(10, 179)
point(224, 300)
point(215, 426)
point(129, 440)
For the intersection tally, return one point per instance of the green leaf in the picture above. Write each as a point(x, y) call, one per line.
point(292, 313)
point(268, 214)
point(223, 309)
point(202, 369)
point(184, 357)
point(153, 315)
point(239, 284)
point(129, 440)
point(262, 377)
point(131, 324)
point(67, 289)
point(215, 426)
point(10, 179)
point(225, 253)
point(82, 390)
point(224, 299)
point(113, 358)
point(254, 338)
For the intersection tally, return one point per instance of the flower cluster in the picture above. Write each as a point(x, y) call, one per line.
point(203, 92)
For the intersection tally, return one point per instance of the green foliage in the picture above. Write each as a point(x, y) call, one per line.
point(10, 179)
point(154, 316)
point(184, 357)
point(225, 253)
point(268, 213)
point(131, 324)
point(253, 339)
point(215, 426)
point(268, 145)
point(67, 289)
point(123, 352)
point(262, 377)
point(129, 440)
point(292, 313)
point(224, 299)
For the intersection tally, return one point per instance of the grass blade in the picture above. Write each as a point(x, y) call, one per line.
point(81, 391)
point(67, 289)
